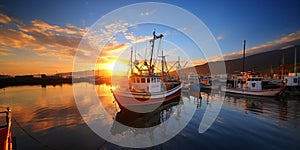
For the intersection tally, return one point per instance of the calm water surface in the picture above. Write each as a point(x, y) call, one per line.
point(48, 118)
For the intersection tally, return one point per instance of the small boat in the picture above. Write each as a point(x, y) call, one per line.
point(250, 83)
point(194, 83)
point(5, 130)
point(146, 86)
point(206, 82)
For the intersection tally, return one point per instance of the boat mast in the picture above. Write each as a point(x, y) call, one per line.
point(152, 48)
point(244, 49)
point(282, 66)
point(162, 64)
point(131, 69)
point(179, 68)
point(155, 37)
point(295, 63)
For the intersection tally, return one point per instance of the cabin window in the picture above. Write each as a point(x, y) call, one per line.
point(138, 80)
point(133, 80)
point(148, 80)
point(295, 80)
point(143, 80)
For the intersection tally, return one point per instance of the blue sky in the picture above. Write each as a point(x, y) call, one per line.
point(262, 23)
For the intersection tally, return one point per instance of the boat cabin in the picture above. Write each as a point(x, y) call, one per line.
point(254, 83)
point(248, 80)
point(145, 83)
point(292, 79)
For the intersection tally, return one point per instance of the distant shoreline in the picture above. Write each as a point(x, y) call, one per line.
point(28, 80)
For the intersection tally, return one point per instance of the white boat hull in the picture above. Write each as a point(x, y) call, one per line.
point(266, 92)
point(128, 98)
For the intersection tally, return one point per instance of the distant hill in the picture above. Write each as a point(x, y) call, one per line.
point(87, 73)
point(261, 62)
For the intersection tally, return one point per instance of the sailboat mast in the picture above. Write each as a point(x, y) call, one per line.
point(244, 49)
point(282, 69)
point(295, 63)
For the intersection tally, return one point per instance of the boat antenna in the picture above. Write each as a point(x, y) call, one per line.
point(244, 49)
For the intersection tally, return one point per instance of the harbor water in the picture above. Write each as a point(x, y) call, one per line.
point(48, 118)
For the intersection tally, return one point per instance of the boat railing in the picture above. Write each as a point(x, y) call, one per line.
point(5, 128)
point(5, 119)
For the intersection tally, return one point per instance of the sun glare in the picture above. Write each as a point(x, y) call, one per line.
point(120, 69)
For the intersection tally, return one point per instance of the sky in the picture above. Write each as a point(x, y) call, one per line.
point(46, 36)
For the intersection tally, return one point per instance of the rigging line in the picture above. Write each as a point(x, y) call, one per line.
point(159, 47)
point(32, 137)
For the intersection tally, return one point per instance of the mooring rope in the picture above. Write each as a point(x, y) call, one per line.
point(32, 137)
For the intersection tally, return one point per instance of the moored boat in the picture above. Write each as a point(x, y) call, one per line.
point(250, 83)
point(194, 83)
point(146, 86)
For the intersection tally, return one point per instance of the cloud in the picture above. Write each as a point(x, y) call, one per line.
point(134, 39)
point(220, 37)
point(50, 30)
point(114, 49)
point(4, 53)
point(5, 19)
point(148, 13)
point(285, 41)
point(40, 37)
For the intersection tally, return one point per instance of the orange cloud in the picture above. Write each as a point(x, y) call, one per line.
point(114, 49)
point(44, 40)
point(4, 53)
point(4, 19)
point(41, 37)
point(135, 39)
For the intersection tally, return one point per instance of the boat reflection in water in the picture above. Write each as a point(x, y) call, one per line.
point(128, 119)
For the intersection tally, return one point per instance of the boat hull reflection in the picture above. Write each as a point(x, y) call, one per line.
point(144, 120)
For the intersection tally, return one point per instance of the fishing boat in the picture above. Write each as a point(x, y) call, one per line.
point(250, 83)
point(5, 129)
point(146, 86)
